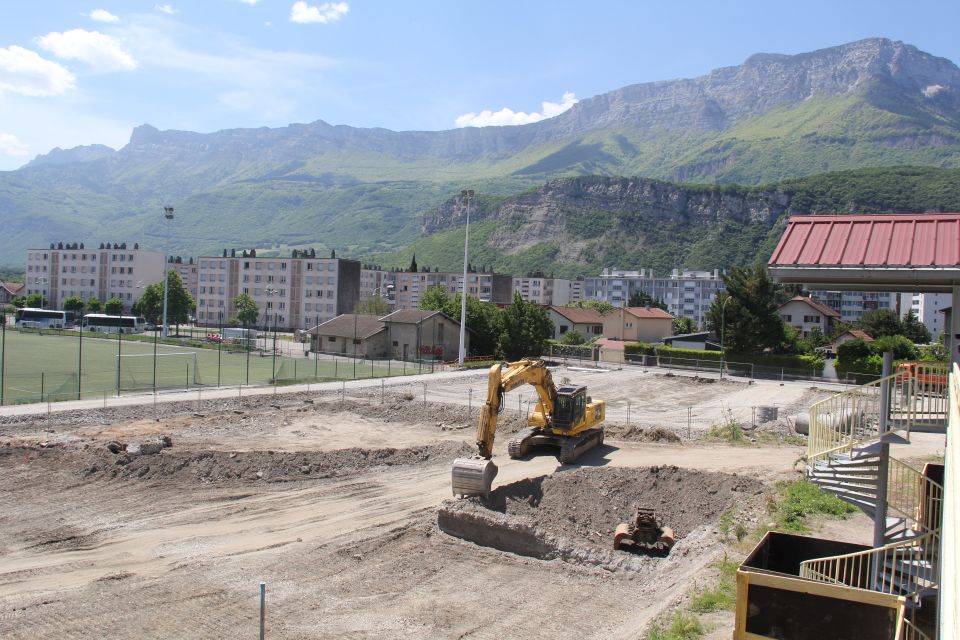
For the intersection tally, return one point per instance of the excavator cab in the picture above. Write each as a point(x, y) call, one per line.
point(570, 407)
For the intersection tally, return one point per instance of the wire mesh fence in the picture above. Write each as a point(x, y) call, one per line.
point(56, 365)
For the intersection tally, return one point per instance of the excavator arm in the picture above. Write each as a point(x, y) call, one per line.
point(504, 379)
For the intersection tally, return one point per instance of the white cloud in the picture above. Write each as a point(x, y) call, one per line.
point(325, 13)
point(25, 72)
point(102, 15)
point(10, 145)
point(164, 8)
point(506, 116)
point(100, 51)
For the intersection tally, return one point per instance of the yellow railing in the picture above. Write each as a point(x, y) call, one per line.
point(930, 404)
point(909, 565)
point(841, 422)
point(866, 569)
point(909, 631)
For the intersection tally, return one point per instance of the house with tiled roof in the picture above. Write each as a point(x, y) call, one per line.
point(9, 291)
point(350, 334)
point(852, 334)
point(637, 324)
point(586, 321)
point(804, 314)
point(421, 334)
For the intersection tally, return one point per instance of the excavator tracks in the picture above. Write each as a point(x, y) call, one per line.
point(519, 444)
point(573, 448)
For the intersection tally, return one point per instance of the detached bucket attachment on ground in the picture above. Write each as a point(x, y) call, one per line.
point(644, 534)
point(473, 476)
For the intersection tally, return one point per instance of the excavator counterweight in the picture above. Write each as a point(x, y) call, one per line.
point(564, 417)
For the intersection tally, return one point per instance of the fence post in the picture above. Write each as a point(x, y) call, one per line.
point(41, 386)
point(263, 608)
point(470, 401)
point(424, 394)
point(628, 413)
point(383, 390)
point(689, 421)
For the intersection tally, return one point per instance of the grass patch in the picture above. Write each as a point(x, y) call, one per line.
point(730, 430)
point(723, 595)
point(801, 499)
point(682, 627)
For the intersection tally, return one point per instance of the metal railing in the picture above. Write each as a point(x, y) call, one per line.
point(910, 631)
point(841, 422)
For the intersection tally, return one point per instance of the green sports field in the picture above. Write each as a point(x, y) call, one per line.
point(41, 367)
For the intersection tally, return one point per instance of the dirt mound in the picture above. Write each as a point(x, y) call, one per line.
point(219, 466)
point(634, 433)
point(573, 514)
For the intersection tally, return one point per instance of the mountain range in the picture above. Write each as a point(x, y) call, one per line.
point(366, 192)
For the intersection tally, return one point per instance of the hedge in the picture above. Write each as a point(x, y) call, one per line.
point(785, 361)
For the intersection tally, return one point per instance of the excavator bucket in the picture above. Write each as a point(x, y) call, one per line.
point(473, 476)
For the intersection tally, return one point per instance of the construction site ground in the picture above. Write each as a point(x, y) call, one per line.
point(332, 497)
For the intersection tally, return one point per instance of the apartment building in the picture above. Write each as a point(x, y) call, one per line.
point(852, 304)
point(403, 289)
point(188, 274)
point(687, 294)
point(291, 293)
point(928, 307)
point(73, 271)
point(548, 291)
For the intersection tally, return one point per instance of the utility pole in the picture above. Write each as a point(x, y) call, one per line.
point(168, 214)
point(466, 194)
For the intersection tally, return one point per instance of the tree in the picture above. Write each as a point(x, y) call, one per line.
point(18, 302)
point(34, 300)
point(914, 329)
point(682, 326)
point(572, 337)
point(526, 329)
point(247, 311)
point(93, 305)
point(372, 306)
point(180, 303)
point(483, 318)
point(900, 346)
point(747, 313)
point(413, 264)
point(880, 322)
point(113, 307)
point(435, 298)
point(643, 299)
point(73, 304)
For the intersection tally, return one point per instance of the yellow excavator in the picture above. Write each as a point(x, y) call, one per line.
point(564, 417)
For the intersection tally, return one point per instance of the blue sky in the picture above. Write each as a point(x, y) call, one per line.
point(76, 73)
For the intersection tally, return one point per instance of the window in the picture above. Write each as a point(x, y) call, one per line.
point(813, 319)
point(786, 317)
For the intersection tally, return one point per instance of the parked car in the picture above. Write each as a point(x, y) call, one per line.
point(826, 352)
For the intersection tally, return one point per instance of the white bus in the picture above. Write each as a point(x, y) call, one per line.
point(113, 324)
point(30, 318)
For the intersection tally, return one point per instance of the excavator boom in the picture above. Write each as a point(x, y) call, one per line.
point(565, 418)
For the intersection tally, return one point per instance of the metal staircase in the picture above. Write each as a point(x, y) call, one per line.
point(848, 457)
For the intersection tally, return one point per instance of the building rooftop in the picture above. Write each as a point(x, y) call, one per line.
point(818, 306)
point(350, 325)
point(579, 315)
point(870, 252)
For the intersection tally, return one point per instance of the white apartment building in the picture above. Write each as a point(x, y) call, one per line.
point(852, 304)
point(291, 293)
point(74, 271)
point(548, 291)
point(187, 270)
point(687, 294)
point(928, 307)
point(403, 289)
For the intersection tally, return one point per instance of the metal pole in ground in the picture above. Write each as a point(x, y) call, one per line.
point(424, 393)
point(155, 338)
point(119, 348)
point(263, 608)
point(80, 362)
point(219, 348)
point(3, 356)
point(689, 421)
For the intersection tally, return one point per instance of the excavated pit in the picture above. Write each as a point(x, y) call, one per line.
point(572, 515)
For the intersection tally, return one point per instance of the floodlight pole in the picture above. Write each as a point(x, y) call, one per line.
point(168, 214)
point(466, 194)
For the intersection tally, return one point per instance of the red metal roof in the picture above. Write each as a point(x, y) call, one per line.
point(928, 240)
point(649, 312)
point(579, 315)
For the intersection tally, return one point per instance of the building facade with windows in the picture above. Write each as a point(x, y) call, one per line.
point(188, 272)
point(851, 305)
point(73, 271)
point(291, 293)
point(928, 307)
point(548, 291)
point(404, 288)
point(687, 294)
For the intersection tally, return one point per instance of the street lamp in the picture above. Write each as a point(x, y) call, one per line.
point(270, 291)
point(723, 327)
point(466, 194)
point(168, 214)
